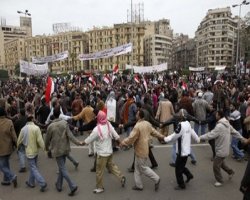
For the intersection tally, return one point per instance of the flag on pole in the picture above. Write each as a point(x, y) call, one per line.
point(116, 69)
point(92, 80)
point(106, 79)
point(136, 78)
point(50, 87)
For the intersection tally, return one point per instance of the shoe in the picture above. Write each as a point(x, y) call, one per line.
point(172, 164)
point(93, 169)
point(230, 176)
point(29, 185)
point(76, 165)
point(131, 170)
point(22, 170)
point(98, 190)
point(72, 193)
point(137, 188)
point(14, 181)
point(193, 162)
point(157, 185)
point(189, 178)
point(154, 166)
point(58, 189)
point(43, 188)
point(178, 187)
point(123, 181)
point(91, 154)
point(5, 183)
point(217, 184)
point(239, 159)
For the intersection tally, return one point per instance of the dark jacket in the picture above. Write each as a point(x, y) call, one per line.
point(245, 182)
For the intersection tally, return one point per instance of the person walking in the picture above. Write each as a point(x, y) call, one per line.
point(102, 134)
point(222, 135)
point(57, 140)
point(8, 141)
point(140, 137)
point(31, 138)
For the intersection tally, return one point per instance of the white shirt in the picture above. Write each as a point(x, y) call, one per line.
point(103, 145)
point(186, 133)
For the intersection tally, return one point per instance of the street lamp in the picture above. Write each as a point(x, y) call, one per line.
point(25, 13)
point(238, 32)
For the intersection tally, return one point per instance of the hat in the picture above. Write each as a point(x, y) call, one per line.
point(200, 94)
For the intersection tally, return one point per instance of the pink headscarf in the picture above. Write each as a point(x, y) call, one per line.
point(102, 120)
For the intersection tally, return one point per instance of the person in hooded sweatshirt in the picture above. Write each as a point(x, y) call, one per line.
point(222, 135)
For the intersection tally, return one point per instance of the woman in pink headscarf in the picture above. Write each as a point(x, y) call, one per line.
point(103, 134)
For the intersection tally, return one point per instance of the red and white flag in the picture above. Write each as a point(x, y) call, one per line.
point(92, 80)
point(116, 69)
point(136, 78)
point(50, 87)
point(106, 79)
point(184, 86)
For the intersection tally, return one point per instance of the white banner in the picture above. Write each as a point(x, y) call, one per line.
point(33, 69)
point(123, 49)
point(148, 69)
point(196, 69)
point(52, 58)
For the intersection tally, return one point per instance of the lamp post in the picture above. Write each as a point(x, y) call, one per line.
point(238, 33)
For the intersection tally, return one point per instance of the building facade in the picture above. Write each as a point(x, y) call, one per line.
point(158, 43)
point(216, 39)
point(8, 33)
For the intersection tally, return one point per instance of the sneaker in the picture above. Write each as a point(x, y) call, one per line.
point(98, 190)
point(22, 170)
point(172, 164)
point(217, 184)
point(57, 188)
point(193, 162)
point(72, 193)
point(93, 169)
point(230, 176)
point(178, 187)
point(29, 185)
point(137, 188)
point(5, 183)
point(189, 178)
point(157, 185)
point(14, 181)
point(123, 181)
point(131, 170)
point(91, 155)
point(76, 165)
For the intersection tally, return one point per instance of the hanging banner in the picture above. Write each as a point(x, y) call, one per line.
point(196, 69)
point(148, 69)
point(120, 50)
point(52, 58)
point(33, 69)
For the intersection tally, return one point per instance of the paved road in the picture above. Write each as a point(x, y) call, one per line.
point(201, 187)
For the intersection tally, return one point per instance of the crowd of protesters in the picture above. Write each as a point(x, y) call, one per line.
point(161, 99)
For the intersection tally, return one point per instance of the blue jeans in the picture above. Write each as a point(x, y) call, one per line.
point(34, 173)
point(198, 126)
point(21, 156)
point(234, 144)
point(173, 154)
point(63, 173)
point(8, 175)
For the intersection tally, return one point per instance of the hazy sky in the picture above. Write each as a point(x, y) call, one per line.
point(184, 15)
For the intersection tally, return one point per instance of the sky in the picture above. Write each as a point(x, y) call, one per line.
point(184, 15)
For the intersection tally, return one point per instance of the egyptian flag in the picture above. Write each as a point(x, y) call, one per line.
point(106, 79)
point(116, 69)
point(50, 87)
point(184, 86)
point(136, 78)
point(92, 80)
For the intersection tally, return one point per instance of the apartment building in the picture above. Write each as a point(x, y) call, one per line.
point(14, 51)
point(158, 43)
point(216, 39)
point(8, 33)
point(74, 42)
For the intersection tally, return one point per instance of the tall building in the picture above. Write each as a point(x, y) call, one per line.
point(216, 39)
point(8, 33)
point(158, 43)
